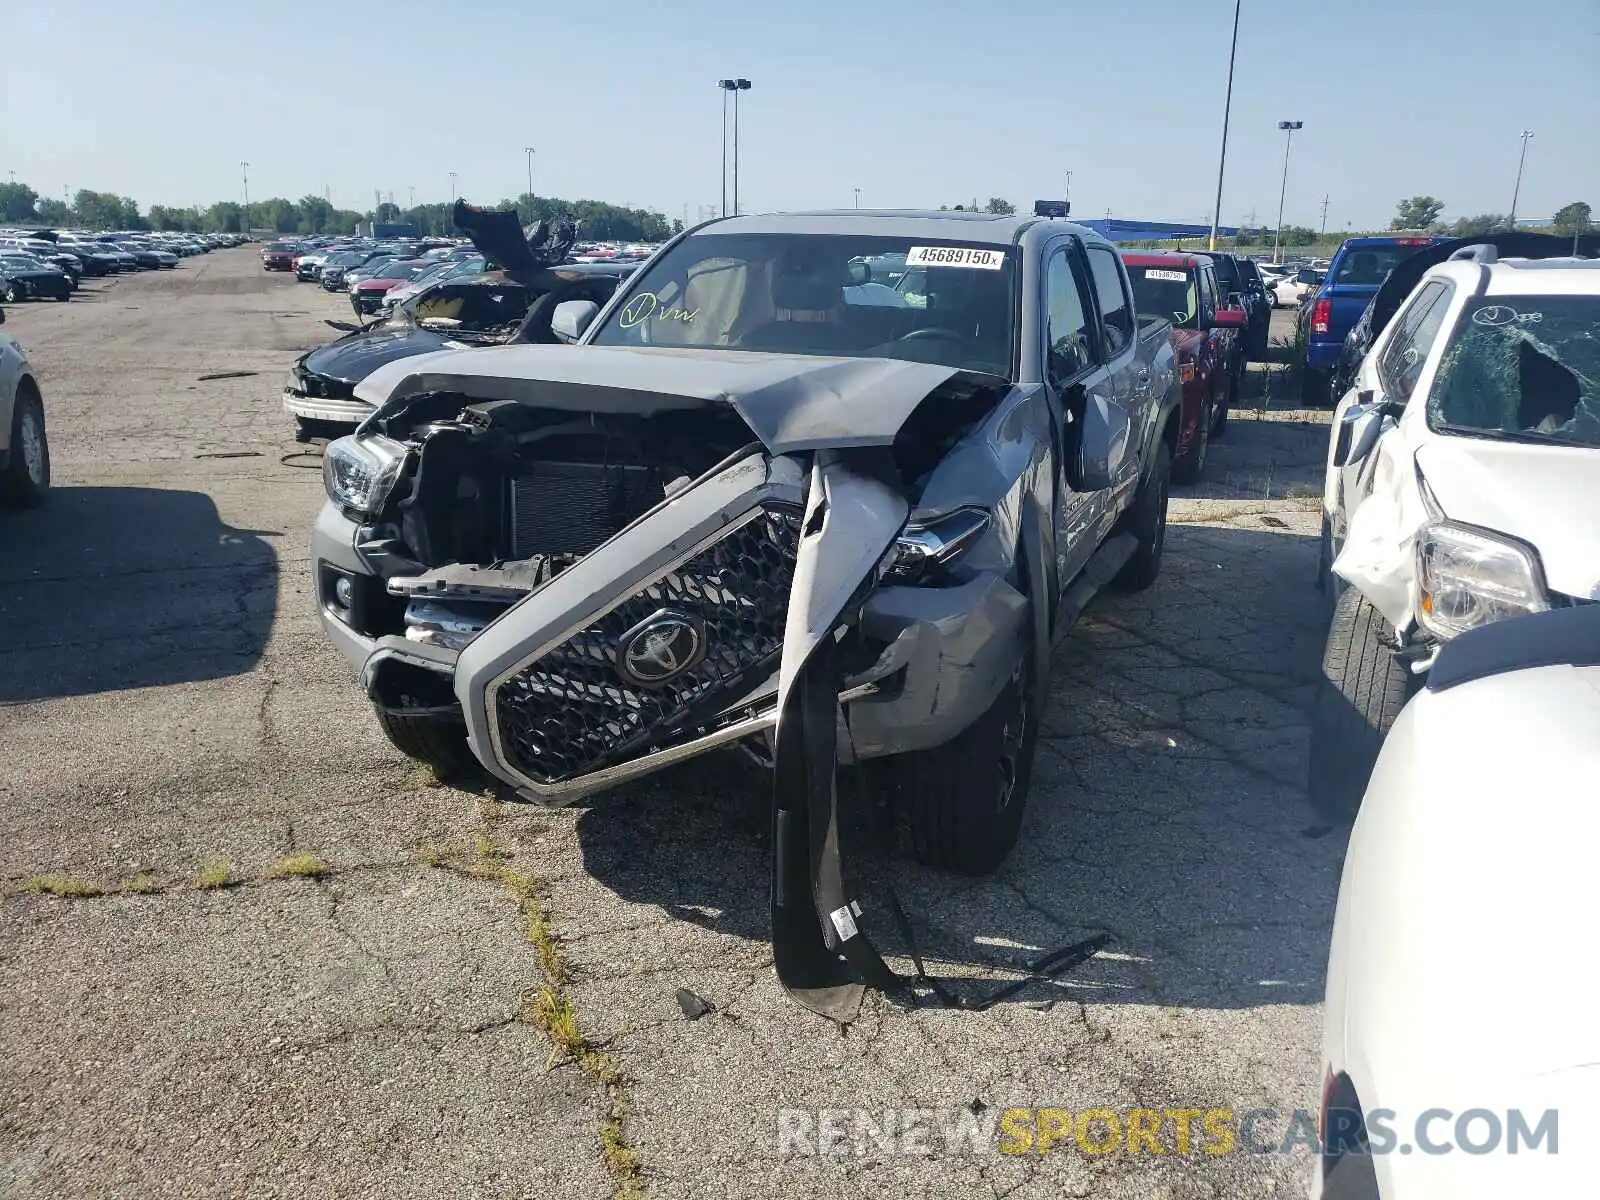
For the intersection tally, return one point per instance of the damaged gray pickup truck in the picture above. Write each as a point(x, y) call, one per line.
point(765, 499)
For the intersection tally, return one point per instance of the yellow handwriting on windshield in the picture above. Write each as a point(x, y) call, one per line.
point(646, 305)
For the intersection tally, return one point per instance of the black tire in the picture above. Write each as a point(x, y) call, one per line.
point(1147, 521)
point(64, 297)
point(440, 743)
point(15, 294)
point(21, 484)
point(1364, 687)
point(1313, 387)
point(1219, 419)
point(1189, 466)
point(963, 801)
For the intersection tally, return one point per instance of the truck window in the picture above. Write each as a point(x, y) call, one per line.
point(1116, 313)
point(1071, 345)
point(1418, 326)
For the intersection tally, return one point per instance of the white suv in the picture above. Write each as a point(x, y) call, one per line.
point(1462, 487)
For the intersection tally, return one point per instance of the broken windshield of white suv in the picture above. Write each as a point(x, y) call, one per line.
point(1522, 368)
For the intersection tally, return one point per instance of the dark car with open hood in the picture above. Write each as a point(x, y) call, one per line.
point(766, 500)
point(504, 305)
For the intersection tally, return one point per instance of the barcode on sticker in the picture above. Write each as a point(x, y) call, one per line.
point(972, 257)
point(1162, 273)
point(844, 922)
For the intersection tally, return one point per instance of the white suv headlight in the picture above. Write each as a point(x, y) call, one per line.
point(359, 471)
point(1467, 577)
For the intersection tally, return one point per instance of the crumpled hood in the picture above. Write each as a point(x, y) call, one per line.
point(792, 403)
point(351, 359)
point(1546, 496)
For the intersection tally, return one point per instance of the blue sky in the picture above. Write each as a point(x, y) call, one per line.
point(914, 103)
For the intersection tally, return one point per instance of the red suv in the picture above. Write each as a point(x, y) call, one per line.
point(1183, 289)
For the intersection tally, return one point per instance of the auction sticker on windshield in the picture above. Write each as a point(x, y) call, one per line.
point(1163, 273)
point(971, 257)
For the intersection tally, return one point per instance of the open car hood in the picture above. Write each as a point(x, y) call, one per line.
point(499, 236)
point(792, 403)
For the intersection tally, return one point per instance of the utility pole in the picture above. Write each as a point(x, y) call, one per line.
point(858, 196)
point(528, 150)
point(1227, 110)
point(452, 189)
point(1324, 232)
point(244, 217)
point(1288, 128)
point(411, 195)
point(1066, 194)
point(1526, 135)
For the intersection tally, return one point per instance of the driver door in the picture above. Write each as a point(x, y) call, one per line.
point(1073, 372)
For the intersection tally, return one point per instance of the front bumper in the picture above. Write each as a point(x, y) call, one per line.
point(943, 655)
point(322, 408)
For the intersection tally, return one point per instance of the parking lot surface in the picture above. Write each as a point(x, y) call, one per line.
point(246, 949)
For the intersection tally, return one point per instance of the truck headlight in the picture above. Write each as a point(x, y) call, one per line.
point(359, 471)
point(933, 543)
point(1468, 577)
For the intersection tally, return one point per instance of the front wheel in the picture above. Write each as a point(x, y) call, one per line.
point(1189, 466)
point(440, 743)
point(26, 480)
point(1364, 687)
point(1147, 521)
point(963, 801)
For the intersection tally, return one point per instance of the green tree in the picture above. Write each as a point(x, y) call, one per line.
point(999, 207)
point(316, 214)
point(17, 201)
point(1477, 226)
point(1574, 217)
point(55, 212)
point(1419, 212)
point(1297, 235)
point(224, 217)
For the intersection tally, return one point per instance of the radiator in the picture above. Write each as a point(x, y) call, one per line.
point(570, 508)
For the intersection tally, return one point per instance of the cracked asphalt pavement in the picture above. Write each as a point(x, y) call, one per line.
point(169, 710)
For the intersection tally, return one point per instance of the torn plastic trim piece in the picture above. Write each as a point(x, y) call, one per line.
point(822, 952)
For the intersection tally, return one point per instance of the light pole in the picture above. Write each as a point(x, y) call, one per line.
point(1288, 128)
point(528, 150)
point(735, 86)
point(452, 189)
point(1066, 194)
point(244, 217)
point(1227, 109)
point(411, 195)
point(858, 197)
point(1526, 135)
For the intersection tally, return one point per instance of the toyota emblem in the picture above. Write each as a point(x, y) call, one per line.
point(660, 648)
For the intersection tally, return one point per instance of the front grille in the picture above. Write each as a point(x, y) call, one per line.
point(570, 508)
point(571, 712)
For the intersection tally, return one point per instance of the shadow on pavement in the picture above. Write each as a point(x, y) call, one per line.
point(1167, 808)
point(106, 588)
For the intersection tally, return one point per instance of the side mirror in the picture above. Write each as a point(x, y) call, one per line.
point(572, 318)
point(1230, 318)
point(1358, 430)
point(860, 272)
point(1102, 444)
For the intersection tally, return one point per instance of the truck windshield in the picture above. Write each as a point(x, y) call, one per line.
point(953, 303)
point(1165, 292)
point(1370, 266)
point(1522, 368)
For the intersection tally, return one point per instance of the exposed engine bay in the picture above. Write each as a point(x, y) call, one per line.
point(497, 498)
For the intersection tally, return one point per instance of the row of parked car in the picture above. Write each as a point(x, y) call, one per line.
point(38, 264)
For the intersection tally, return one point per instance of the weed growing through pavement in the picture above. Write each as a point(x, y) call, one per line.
point(298, 866)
